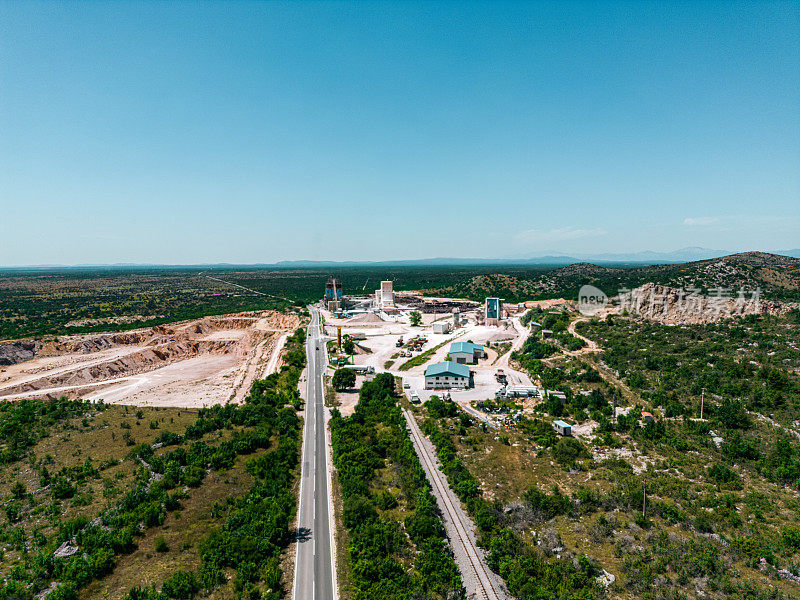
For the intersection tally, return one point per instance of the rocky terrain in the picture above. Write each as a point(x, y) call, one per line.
point(773, 276)
point(148, 365)
point(675, 306)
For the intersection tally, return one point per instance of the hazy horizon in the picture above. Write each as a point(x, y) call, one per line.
point(642, 257)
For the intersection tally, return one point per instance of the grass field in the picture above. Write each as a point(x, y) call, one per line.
point(110, 500)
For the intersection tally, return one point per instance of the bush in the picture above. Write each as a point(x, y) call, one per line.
point(18, 490)
point(182, 585)
point(358, 511)
point(343, 379)
point(720, 474)
point(567, 450)
point(161, 544)
point(546, 506)
point(791, 537)
point(62, 489)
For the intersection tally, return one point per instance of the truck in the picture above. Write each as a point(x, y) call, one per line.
point(521, 391)
point(360, 369)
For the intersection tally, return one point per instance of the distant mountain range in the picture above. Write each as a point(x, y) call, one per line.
point(647, 257)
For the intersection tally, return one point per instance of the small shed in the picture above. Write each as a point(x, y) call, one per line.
point(441, 327)
point(647, 417)
point(562, 428)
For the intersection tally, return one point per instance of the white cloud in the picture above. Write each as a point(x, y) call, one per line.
point(693, 221)
point(560, 234)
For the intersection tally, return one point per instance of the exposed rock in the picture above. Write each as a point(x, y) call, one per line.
point(12, 353)
point(550, 540)
point(65, 550)
point(605, 578)
point(673, 306)
point(47, 591)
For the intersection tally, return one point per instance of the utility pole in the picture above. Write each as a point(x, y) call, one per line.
point(702, 399)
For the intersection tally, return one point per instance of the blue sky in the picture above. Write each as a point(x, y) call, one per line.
point(254, 132)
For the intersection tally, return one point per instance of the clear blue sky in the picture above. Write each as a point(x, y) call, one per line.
point(254, 132)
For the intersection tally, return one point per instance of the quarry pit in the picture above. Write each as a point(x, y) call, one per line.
point(191, 364)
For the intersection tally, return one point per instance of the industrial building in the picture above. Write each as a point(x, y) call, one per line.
point(447, 375)
point(334, 295)
point(384, 297)
point(493, 311)
point(466, 352)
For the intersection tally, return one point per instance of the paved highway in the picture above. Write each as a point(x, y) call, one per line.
point(314, 570)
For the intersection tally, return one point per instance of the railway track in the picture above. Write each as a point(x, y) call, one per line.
point(483, 577)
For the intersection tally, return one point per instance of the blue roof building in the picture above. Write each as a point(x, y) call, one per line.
point(447, 375)
point(562, 427)
point(466, 352)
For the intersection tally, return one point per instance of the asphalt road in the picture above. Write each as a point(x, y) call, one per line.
point(313, 576)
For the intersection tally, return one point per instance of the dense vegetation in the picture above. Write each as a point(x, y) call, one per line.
point(754, 360)
point(397, 546)
point(161, 477)
point(711, 523)
point(526, 570)
point(36, 302)
point(720, 513)
point(777, 277)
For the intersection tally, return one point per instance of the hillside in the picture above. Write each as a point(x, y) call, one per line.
point(644, 497)
point(777, 276)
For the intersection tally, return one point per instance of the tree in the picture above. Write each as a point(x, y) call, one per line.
point(416, 318)
point(733, 415)
point(18, 490)
point(348, 345)
point(343, 379)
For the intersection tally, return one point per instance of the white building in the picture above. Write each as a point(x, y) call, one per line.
point(384, 297)
point(441, 327)
point(447, 375)
point(562, 428)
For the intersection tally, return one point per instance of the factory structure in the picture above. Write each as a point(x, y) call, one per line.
point(334, 295)
point(384, 297)
point(493, 311)
point(336, 302)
